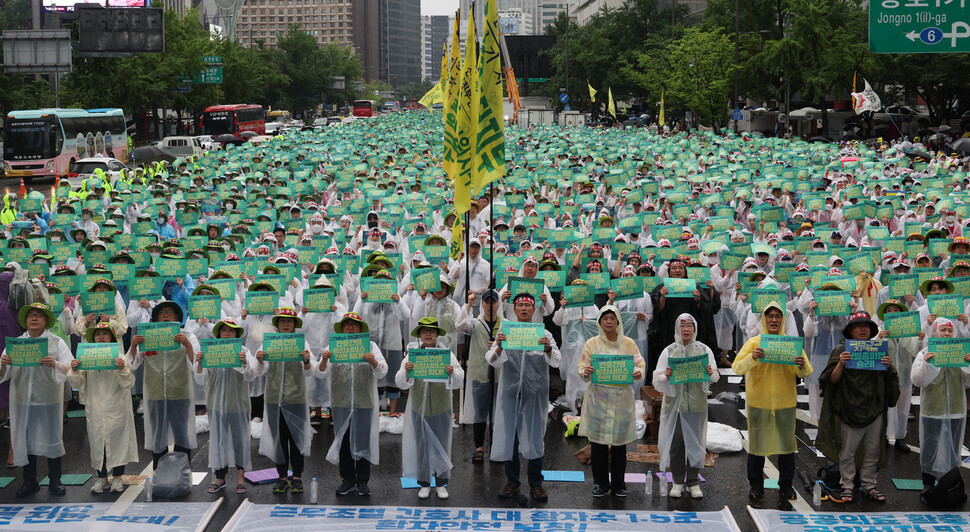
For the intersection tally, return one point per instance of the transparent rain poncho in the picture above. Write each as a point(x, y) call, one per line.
point(353, 389)
point(228, 406)
point(286, 396)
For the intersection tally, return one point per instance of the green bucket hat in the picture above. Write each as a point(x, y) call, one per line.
point(287, 312)
point(428, 322)
point(226, 322)
point(925, 287)
point(22, 315)
point(103, 326)
point(881, 311)
point(209, 287)
point(351, 316)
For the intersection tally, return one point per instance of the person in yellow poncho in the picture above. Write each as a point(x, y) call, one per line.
point(8, 213)
point(609, 414)
point(771, 404)
point(867, 290)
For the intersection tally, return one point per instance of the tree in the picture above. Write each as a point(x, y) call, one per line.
point(701, 74)
point(20, 91)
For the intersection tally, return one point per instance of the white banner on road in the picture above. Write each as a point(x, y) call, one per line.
point(98, 517)
point(778, 521)
point(284, 518)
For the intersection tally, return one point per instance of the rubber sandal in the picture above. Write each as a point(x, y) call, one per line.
point(846, 496)
point(874, 495)
point(241, 488)
point(478, 456)
point(215, 488)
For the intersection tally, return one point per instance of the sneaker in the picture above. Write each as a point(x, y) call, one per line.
point(116, 485)
point(787, 492)
point(598, 491)
point(281, 486)
point(296, 486)
point(424, 492)
point(901, 446)
point(99, 485)
point(346, 487)
point(141, 407)
point(28, 489)
point(441, 492)
point(620, 492)
point(695, 492)
point(676, 490)
point(362, 489)
point(756, 493)
point(56, 488)
point(510, 490)
point(539, 494)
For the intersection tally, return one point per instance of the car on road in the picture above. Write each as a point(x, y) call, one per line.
point(206, 142)
point(84, 168)
point(181, 146)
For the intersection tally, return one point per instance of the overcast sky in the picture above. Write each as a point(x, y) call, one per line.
point(438, 7)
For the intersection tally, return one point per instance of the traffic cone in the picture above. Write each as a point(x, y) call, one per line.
point(57, 181)
point(23, 189)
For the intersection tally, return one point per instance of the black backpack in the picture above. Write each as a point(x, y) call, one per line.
point(947, 493)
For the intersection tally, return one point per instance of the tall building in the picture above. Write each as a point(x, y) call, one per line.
point(179, 6)
point(540, 13)
point(435, 32)
point(515, 22)
point(585, 9)
point(267, 20)
point(549, 12)
point(399, 46)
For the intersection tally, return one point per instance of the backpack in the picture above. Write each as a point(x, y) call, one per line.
point(947, 493)
point(24, 291)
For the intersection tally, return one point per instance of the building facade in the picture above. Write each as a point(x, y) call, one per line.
point(435, 33)
point(266, 20)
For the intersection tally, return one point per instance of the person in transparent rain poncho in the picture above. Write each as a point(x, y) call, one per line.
point(943, 408)
point(522, 403)
point(426, 443)
point(576, 331)
point(36, 393)
point(317, 327)
point(386, 319)
point(771, 404)
point(683, 414)
point(902, 352)
point(820, 346)
point(168, 387)
point(609, 411)
point(286, 417)
point(478, 394)
point(254, 328)
point(354, 407)
point(106, 396)
point(227, 404)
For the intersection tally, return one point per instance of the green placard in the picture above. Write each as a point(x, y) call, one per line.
point(898, 27)
point(732, 261)
point(761, 297)
point(26, 352)
point(171, 269)
point(949, 352)
point(69, 284)
point(903, 285)
point(522, 336)
point(578, 295)
point(378, 290)
point(833, 302)
point(429, 364)
point(319, 299)
point(902, 324)
point(554, 280)
point(221, 352)
point(689, 369)
point(57, 303)
point(613, 370)
point(95, 357)
point(945, 305)
point(859, 263)
point(262, 303)
point(349, 348)
point(209, 307)
point(525, 285)
point(283, 347)
point(98, 303)
point(627, 288)
point(599, 281)
point(159, 336)
point(781, 349)
point(145, 287)
point(680, 287)
point(226, 287)
point(426, 279)
point(277, 281)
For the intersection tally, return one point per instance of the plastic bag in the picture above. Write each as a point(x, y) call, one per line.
point(256, 429)
point(723, 439)
point(201, 424)
point(173, 476)
point(392, 425)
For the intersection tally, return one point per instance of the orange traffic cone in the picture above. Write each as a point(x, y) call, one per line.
point(57, 181)
point(23, 189)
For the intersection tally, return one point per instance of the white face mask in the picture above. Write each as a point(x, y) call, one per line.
point(156, 255)
point(829, 206)
point(951, 219)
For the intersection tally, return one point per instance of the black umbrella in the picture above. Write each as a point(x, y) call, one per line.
point(872, 141)
point(248, 134)
point(961, 145)
point(820, 138)
point(228, 139)
point(151, 154)
point(918, 154)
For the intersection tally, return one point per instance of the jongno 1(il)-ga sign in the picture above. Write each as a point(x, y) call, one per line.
point(930, 27)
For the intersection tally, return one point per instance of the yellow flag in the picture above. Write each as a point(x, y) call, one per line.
point(489, 163)
point(609, 106)
point(443, 80)
point(660, 121)
point(467, 121)
point(432, 97)
point(450, 146)
point(592, 92)
point(457, 238)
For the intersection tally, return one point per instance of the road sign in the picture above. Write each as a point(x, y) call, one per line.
point(209, 74)
point(897, 27)
point(120, 32)
point(538, 80)
point(212, 60)
point(566, 107)
point(737, 115)
point(564, 98)
point(182, 89)
point(37, 51)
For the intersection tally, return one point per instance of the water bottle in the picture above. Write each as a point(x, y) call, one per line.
point(663, 486)
point(817, 493)
point(148, 489)
point(313, 491)
point(648, 490)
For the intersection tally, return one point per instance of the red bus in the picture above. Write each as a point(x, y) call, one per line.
point(365, 108)
point(233, 120)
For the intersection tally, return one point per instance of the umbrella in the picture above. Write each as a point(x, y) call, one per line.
point(820, 138)
point(961, 145)
point(259, 139)
point(151, 154)
point(248, 134)
point(918, 154)
point(228, 139)
point(872, 141)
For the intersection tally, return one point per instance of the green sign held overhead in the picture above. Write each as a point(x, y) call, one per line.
point(907, 27)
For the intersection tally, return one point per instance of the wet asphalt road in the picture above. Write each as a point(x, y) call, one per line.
point(475, 485)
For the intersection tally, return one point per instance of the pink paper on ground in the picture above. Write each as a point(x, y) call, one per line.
point(641, 478)
point(262, 476)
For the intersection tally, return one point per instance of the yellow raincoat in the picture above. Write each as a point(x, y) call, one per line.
point(8, 214)
point(868, 290)
point(771, 398)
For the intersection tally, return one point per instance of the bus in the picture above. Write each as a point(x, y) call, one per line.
point(233, 120)
point(275, 120)
point(364, 108)
point(42, 143)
